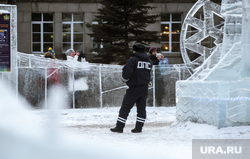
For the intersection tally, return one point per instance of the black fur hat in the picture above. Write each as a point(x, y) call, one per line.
point(138, 47)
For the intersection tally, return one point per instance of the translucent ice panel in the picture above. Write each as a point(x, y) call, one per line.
point(90, 85)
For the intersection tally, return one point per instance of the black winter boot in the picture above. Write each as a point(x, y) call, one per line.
point(116, 129)
point(120, 124)
point(136, 130)
point(138, 127)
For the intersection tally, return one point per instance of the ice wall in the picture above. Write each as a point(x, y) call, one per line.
point(219, 93)
point(90, 85)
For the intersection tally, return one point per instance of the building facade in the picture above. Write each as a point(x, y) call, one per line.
point(61, 24)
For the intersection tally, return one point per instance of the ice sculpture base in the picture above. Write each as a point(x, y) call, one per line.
point(220, 103)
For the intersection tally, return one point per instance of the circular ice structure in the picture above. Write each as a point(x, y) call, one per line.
point(202, 32)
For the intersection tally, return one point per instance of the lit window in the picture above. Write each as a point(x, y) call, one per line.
point(73, 35)
point(170, 33)
point(42, 32)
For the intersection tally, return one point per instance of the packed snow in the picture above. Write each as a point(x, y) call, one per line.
point(61, 133)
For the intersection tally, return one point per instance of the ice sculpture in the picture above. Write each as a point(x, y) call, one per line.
point(218, 92)
point(202, 23)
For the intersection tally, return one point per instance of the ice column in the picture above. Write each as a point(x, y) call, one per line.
point(246, 39)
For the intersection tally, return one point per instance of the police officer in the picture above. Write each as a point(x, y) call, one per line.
point(136, 74)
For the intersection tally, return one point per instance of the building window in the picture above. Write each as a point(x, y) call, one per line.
point(42, 32)
point(170, 33)
point(73, 36)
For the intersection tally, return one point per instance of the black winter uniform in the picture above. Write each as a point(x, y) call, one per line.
point(136, 74)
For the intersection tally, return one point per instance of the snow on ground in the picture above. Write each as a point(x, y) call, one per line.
point(162, 135)
point(84, 133)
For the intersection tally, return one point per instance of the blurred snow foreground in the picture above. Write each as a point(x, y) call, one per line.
point(23, 136)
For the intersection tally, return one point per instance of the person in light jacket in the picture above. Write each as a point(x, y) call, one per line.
point(70, 54)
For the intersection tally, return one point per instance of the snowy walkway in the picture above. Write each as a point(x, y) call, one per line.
point(162, 136)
